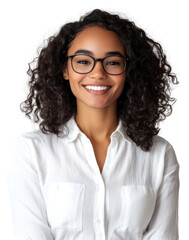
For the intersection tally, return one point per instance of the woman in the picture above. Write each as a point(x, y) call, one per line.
point(96, 169)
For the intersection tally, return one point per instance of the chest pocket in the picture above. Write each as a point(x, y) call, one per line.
point(137, 206)
point(65, 205)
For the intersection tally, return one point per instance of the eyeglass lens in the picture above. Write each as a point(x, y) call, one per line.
point(111, 64)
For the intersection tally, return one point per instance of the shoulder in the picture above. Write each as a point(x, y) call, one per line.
point(34, 143)
point(26, 142)
point(36, 136)
point(29, 137)
point(39, 142)
point(161, 143)
point(31, 147)
point(163, 147)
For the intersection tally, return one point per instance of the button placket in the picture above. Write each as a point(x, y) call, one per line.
point(100, 192)
point(90, 155)
point(99, 210)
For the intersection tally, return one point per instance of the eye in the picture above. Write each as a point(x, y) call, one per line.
point(113, 63)
point(85, 62)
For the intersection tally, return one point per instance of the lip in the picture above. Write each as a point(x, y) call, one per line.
point(97, 85)
point(96, 92)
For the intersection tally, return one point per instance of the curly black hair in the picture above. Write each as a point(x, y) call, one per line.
point(146, 98)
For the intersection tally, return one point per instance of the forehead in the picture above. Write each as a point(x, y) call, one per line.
point(97, 40)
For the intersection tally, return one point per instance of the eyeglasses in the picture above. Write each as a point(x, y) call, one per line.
point(113, 65)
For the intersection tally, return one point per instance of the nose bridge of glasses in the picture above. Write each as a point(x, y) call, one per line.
point(100, 60)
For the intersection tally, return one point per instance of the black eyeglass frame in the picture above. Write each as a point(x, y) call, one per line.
point(98, 59)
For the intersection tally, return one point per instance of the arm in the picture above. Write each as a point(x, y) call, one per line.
point(28, 206)
point(164, 222)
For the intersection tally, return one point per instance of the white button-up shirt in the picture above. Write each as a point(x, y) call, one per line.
point(58, 192)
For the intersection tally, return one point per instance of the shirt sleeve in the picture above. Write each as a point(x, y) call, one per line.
point(26, 198)
point(164, 222)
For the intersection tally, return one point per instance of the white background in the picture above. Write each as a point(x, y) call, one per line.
point(25, 24)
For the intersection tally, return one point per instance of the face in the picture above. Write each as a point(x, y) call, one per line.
point(97, 42)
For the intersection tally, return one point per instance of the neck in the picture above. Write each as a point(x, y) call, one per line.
point(97, 124)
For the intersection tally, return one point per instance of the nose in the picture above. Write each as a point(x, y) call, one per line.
point(98, 71)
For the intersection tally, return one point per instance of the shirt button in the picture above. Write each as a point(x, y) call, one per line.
point(98, 220)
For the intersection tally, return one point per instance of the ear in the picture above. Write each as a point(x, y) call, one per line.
point(65, 73)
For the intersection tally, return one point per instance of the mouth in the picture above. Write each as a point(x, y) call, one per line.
point(97, 89)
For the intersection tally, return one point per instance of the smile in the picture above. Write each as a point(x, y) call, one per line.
point(97, 90)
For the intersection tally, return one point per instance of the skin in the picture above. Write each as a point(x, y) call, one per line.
point(96, 114)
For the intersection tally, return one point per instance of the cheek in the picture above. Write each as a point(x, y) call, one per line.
point(120, 87)
point(75, 83)
point(121, 83)
point(72, 86)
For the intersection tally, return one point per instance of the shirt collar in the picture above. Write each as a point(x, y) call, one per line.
point(72, 131)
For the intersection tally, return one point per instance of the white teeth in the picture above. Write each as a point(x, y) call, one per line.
point(97, 88)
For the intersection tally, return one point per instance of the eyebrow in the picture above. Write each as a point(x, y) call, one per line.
point(84, 51)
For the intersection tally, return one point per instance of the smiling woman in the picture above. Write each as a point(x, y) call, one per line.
point(96, 168)
point(97, 43)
